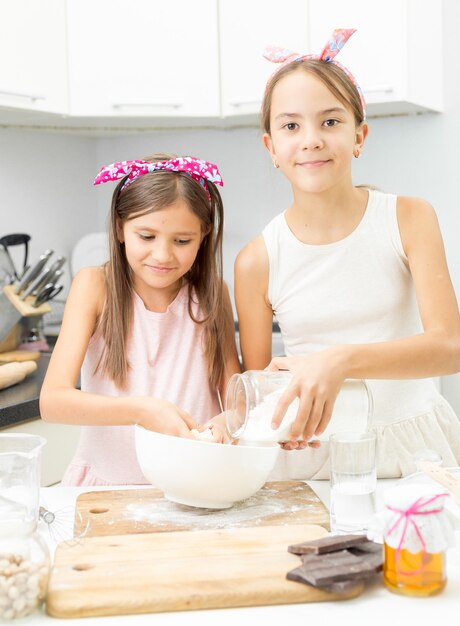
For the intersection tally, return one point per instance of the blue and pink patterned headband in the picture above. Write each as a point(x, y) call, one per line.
point(333, 46)
point(199, 170)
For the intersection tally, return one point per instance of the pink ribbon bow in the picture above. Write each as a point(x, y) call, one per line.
point(406, 516)
point(198, 169)
point(333, 46)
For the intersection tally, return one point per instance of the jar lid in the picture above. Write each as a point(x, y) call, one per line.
point(403, 496)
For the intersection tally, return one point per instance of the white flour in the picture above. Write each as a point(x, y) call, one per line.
point(350, 412)
point(259, 426)
point(264, 504)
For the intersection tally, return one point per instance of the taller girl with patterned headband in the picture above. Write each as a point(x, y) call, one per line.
point(152, 330)
point(356, 278)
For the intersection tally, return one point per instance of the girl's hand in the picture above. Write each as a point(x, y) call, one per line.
point(316, 381)
point(164, 417)
point(219, 430)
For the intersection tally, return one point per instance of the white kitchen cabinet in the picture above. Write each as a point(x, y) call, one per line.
point(143, 59)
point(246, 29)
point(396, 53)
point(33, 61)
point(114, 64)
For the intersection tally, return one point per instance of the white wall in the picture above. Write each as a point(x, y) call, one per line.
point(45, 179)
point(45, 189)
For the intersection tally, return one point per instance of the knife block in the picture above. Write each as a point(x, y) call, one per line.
point(12, 311)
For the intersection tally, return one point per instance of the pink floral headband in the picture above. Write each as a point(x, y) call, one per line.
point(198, 169)
point(333, 46)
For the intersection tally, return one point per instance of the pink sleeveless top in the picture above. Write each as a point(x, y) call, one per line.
point(167, 359)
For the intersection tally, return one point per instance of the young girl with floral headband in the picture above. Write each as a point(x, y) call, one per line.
point(152, 330)
point(356, 278)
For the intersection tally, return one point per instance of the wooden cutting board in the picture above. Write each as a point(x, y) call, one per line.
point(177, 571)
point(121, 512)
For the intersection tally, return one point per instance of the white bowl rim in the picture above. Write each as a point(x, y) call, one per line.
point(242, 444)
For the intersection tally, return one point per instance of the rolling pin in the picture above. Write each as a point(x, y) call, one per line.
point(13, 373)
point(19, 355)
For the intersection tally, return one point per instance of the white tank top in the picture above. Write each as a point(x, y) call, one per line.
point(356, 290)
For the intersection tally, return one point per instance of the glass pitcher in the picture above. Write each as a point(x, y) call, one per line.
point(251, 399)
point(20, 464)
point(24, 556)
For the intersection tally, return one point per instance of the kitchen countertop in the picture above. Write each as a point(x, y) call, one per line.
point(374, 607)
point(19, 403)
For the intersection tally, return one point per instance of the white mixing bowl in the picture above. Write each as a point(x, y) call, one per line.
point(202, 473)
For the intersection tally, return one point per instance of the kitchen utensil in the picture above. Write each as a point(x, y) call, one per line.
point(119, 512)
point(177, 571)
point(17, 356)
point(7, 271)
point(12, 309)
point(13, 373)
point(59, 524)
point(252, 397)
point(33, 272)
point(443, 477)
point(201, 473)
point(34, 284)
point(48, 292)
point(44, 279)
point(50, 274)
point(16, 239)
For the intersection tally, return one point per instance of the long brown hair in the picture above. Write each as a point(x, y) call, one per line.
point(329, 74)
point(148, 193)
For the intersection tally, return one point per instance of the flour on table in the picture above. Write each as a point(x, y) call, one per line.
point(264, 504)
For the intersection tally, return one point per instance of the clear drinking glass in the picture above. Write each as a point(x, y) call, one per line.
point(353, 481)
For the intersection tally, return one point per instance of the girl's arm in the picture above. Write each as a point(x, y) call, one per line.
point(255, 314)
point(61, 402)
point(434, 352)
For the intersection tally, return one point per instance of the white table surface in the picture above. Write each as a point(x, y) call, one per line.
point(374, 607)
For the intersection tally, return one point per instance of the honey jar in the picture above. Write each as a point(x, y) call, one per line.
point(417, 532)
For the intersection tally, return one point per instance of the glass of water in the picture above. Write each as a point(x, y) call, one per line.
point(353, 481)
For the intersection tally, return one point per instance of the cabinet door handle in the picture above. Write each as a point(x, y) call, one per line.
point(245, 103)
point(168, 105)
point(15, 94)
point(379, 89)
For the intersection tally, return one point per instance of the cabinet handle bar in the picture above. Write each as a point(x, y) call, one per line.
point(30, 96)
point(378, 89)
point(168, 105)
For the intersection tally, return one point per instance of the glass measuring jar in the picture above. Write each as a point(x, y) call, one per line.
point(251, 399)
point(24, 557)
point(417, 534)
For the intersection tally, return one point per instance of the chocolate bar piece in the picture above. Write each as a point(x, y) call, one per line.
point(332, 543)
point(338, 587)
point(322, 570)
point(369, 546)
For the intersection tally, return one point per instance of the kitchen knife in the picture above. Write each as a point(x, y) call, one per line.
point(53, 278)
point(33, 272)
point(35, 283)
point(51, 282)
point(49, 275)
